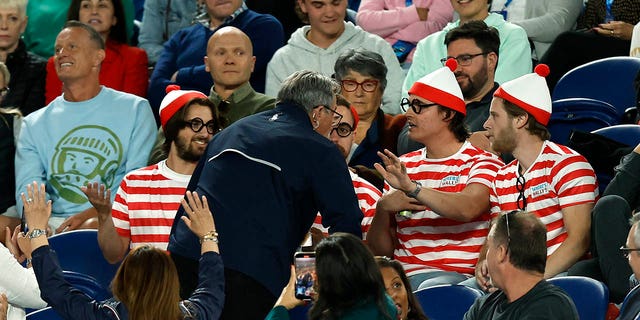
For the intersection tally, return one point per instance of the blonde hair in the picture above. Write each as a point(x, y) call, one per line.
point(21, 5)
point(5, 73)
point(147, 284)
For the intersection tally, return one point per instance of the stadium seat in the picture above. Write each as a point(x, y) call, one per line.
point(590, 296)
point(78, 251)
point(581, 114)
point(610, 80)
point(446, 302)
point(87, 284)
point(44, 314)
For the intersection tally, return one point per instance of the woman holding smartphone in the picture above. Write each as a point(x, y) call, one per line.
point(348, 286)
point(146, 284)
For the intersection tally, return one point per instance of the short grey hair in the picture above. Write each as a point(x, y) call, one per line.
point(21, 5)
point(364, 62)
point(308, 89)
point(636, 235)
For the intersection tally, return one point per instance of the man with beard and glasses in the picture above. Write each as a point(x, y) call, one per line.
point(475, 46)
point(148, 198)
point(550, 180)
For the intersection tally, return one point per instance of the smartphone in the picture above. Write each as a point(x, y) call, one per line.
point(305, 264)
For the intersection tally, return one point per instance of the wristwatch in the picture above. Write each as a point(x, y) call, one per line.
point(414, 193)
point(36, 233)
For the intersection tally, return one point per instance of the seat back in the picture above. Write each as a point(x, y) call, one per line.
point(446, 302)
point(628, 134)
point(609, 79)
point(78, 251)
point(87, 284)
point(591, 297)
point(579, 114)
point(44, 314)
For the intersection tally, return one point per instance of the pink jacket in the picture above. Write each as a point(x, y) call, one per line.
point(393, 20)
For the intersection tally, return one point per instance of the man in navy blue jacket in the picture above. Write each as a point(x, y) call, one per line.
point(265, 178)
point(182, 60)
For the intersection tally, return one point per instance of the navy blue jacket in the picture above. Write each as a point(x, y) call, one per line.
point(205, 303)
point(185, 50)
point(266, 176)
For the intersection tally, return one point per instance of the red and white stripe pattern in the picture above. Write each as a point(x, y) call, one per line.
point(559, 178)
point(430, 242)
point(146, 204)
point(368, 197)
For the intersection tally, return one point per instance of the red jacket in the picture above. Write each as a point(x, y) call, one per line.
point(124, 68)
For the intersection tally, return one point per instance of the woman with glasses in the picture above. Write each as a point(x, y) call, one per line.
point(362, 75)
point(349, 285)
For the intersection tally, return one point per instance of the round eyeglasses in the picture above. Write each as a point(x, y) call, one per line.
point(415, 105)
point(343, 129)
point(352, 85)
point(196, 124)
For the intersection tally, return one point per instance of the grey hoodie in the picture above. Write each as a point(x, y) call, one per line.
point(300, 54)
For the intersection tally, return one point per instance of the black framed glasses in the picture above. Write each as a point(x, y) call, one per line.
point(463, 59)
point(352, 85)
point(337, 117)
point(520, 187)
point(196, 124)
point(415, 105)
point(343, 129)
point(506, 218)
point(626, 251)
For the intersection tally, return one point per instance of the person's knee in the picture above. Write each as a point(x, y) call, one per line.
point(611, 207)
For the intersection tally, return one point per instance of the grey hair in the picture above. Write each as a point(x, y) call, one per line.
point(4, 71)
point(364, 62)
point(21, 5)
point(636, 235)
point(308, 89)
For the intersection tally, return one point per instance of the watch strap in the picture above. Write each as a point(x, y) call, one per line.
point(416, 191)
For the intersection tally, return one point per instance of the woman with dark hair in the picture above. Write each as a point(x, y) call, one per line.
point(349, 285)
point(399, 289)
point(145, 286)
point(124, 67)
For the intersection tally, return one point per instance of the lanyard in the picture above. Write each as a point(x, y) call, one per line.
point(408, 2)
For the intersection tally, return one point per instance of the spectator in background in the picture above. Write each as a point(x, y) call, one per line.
point(543, 20)
point(182, 63)
point(349, 284)
point(631, 251)
point(90, 133)
point(516, 259)
point(399, 289)
point(318, 45)
point(47, 17)
point(604, 30)
point(25, 89)
point(160, 20)
point(283, 10)
point(515, 52)
point(403, 23)
point(124, 67)
point(363, 76)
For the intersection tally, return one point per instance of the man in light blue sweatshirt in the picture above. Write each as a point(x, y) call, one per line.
point(90, 133)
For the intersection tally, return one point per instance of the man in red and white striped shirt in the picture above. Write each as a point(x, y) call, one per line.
point(343, 136)
point(435, 218)
point(148, 198)
point(550, 180)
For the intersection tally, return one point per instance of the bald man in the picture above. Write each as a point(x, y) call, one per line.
point(230, 61)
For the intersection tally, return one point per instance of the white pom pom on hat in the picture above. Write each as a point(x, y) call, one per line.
point(529, 92)
point(174, 100)
point(441, 87)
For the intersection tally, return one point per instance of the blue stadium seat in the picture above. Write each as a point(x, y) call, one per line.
point(579, 114)
point(78, 251)
point(610, 80)
point(88, 285)
point(590, 296)
point(628, 134)
point(44, 314)
point(446, 302)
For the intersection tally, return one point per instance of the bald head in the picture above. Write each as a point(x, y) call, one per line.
point(229, 60)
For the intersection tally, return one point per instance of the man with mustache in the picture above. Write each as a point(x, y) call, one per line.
point(475, 76)
point(149, 197)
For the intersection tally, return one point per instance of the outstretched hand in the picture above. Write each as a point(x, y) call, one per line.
point(99, 196)
point(37, 209)
point(199, 220)
point(394, 171)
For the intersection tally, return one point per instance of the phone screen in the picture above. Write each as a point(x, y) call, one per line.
point(305, 263)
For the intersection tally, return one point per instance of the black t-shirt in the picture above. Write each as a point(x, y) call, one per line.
point(543, 301)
